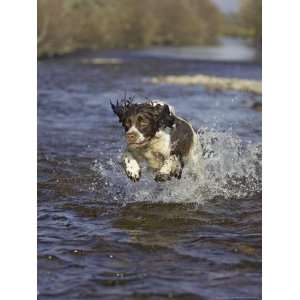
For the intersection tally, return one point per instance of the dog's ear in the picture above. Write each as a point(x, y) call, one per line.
point(166, 118)
point(119, 110)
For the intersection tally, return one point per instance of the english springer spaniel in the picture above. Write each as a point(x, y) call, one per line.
point(155, 134)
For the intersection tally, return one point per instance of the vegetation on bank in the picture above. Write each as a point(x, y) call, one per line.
point(251, 19)
point(247, 23)
point(68, 25)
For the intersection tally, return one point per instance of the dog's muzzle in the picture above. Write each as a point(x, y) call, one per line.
point(132, 137)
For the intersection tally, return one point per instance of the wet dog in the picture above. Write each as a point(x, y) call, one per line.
point(155, 134)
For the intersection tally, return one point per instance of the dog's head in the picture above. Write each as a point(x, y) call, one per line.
point(142, 121)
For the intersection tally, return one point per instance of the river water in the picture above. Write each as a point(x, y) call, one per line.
point(101, 236)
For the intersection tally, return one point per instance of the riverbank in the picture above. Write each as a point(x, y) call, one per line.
point(126, 24)
point(211, 82)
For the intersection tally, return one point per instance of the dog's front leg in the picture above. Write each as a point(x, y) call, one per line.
point(172, 167)
point(131, 166)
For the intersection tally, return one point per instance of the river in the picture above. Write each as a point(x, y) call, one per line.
point(101, 236)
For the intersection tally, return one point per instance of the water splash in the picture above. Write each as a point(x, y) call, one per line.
point(231, 170)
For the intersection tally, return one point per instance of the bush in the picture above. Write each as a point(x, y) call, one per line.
point(251, 19)
point(67, 25)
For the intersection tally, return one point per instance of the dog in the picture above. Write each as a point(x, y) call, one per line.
point(156, 135)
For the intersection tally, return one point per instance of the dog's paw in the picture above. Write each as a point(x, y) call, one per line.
point(134, 177)
point(161, 177)
point(177, 170)
point(172, 167)
point(177, 173)
point(132, 169)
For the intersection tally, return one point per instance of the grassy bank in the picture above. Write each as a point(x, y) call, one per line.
point(212, 82)
point(68, 25)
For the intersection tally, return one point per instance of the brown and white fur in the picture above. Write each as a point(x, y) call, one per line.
point(156, 135)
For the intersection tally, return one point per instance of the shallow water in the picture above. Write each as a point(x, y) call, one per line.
point(101, 236)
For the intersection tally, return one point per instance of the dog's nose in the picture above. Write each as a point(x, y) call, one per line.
point(131, 137)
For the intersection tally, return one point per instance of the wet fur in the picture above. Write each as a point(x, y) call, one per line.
point(169, 139)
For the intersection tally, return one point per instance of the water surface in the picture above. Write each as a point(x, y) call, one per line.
point(101, 236)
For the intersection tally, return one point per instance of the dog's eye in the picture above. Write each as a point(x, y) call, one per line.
point(142, 121)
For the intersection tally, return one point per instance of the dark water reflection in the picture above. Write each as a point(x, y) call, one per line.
point(228, 49)
point(95, 239)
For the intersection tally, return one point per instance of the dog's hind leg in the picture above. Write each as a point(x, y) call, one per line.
point(131, 167)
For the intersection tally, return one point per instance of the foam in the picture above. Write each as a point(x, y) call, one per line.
point(231, 170)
